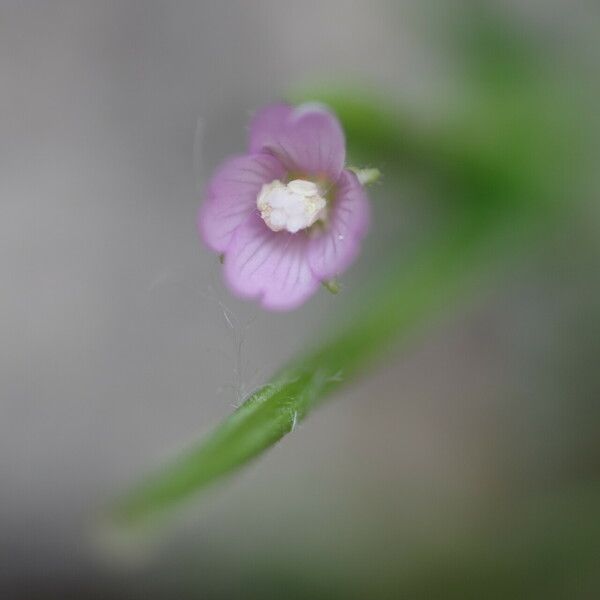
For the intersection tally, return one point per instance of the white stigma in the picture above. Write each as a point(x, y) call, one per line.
point(292, 207)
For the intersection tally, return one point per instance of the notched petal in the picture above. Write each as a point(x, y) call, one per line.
point(307, 139)
point(333, 249)
point(231, 196)
point(271, 266)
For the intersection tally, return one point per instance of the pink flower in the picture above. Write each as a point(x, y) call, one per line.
point(286, 216)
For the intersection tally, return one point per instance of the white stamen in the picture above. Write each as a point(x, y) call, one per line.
point(292, 207)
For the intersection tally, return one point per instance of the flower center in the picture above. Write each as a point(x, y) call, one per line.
point(292, 207)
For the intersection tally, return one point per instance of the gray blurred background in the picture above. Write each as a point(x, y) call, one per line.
point(116, 352)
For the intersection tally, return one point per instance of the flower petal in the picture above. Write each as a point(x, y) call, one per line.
point(231, 196)
point(334, 249)
point(307, 139)
point(266, 123)
point(260, 263)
